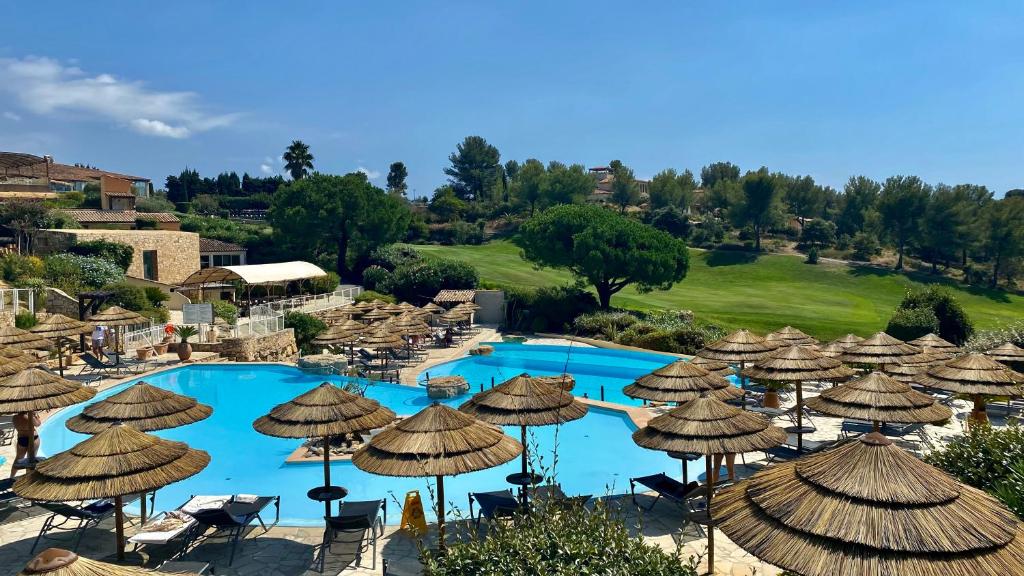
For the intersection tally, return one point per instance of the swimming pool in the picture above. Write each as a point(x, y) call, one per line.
point(593, 368)
point(595, 456)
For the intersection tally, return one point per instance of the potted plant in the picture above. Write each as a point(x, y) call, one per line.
point(168, 333)
point(184, 348)
point(771, 394)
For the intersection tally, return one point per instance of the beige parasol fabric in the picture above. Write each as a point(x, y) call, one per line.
point(13, 337)
point(879, 398)
point(879, 349)
point(117, 316)
point(681, 381)
point(141, 406)
point(869, 508)
point(35, 389)
point(714, 366)
point(114, 463)
point(740, 346)
point(976, 375)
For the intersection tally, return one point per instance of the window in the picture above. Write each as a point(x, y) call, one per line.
point(149, 268)
point(227, 259)
point(204, 261)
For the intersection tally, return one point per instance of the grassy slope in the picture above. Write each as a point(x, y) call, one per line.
point(736, 290)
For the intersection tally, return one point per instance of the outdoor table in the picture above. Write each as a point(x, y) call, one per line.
point(327, 493)
point(685, 457)
point(524, 481)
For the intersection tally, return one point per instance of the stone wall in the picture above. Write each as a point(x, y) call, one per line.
point(58, 302)
point(492, 306)
point(276, 347)
point(177, 253)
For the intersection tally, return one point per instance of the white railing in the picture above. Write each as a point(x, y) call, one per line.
point(143, 337)
point(258, 326)
point(318, 302)
point(18, 299)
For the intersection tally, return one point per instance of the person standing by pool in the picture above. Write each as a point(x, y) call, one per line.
point(730, 466)
point(99, 335)
point(25, 424)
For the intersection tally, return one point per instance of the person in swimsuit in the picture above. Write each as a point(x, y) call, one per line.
point(25, 423)
point(99, 335)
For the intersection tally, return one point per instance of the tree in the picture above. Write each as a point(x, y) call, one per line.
point(624, 188)
point(758, 204)
point(942, 227)
point(528, 185)
point(687, 184)
point(512, 168)
point(901, 203)
point(818, 233)
point(856, 209)
point(473, 174)
point(804, 198)
point(672, 220)
point(25, 219)
point(446, 205)
point(973, 200)
point(396, 178)
point(952, 322)
point(604, 249)
point(718, 172)
point(665, 190)
point(566, 184)
point(344, 216)
point(297, 160)
point(1003, 233)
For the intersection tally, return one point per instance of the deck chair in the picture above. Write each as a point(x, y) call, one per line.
point(664, 486)
point(96, 366)
point(74, 519)
point(234, 517)
point(156, 533)
point(6, 430)
point(8, 499)
point(493, 505)
point(365, 355)
point(357, 517)
point(787, 452)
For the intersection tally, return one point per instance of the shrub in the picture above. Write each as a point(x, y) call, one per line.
point(671, 220)
point(368, 295)
point(25, 320)
point(558, 540)
point(73, 273)
point(376, 277)
point(206, 204)
point(392, 256)
point(156, 296)
point(457, 233)
point(144, 223)
point(605, 324)
point(819, 233)
point(984, 340)
point(708, 233)
point(225, 310)
point(120, 254)
point(16, 267)
point(155, 203)
point(954, 325)
point(911, 323)
point(812, 255)
point(651, 339)
point(558, 306)
point(987, 458)
point(865, 247)
point(418, 282)
point(128, 296)
point(670, 331)
point(325, 284)
point(306, 328)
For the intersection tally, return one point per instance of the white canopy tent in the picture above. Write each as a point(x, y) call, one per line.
point(255, 274)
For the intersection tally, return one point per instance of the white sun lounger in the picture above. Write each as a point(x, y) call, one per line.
point(195, 504)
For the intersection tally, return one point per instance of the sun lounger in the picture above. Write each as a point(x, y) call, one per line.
point(74, 519)
point(493, 505)
point(94, 365)
point(232, 518)
point(8, 499)
point(664, 486)
point(789, 452)
point(182, 567)
point(356, 517)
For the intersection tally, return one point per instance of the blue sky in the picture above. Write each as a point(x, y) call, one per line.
point(829, 89)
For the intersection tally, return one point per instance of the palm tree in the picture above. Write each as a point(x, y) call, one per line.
point(297, 159)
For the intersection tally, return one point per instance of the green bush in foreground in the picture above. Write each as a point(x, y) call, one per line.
point(306, 328)
point(558, 540)
point(911, 323)
point(991, 459)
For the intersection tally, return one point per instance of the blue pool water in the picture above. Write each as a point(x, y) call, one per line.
point(593, 368)
point(596, 454)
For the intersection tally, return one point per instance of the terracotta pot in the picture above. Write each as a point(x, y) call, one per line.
point(184, 351)
point(143, 353)
point(771, 398)
point(160, 348)
point(979, 415)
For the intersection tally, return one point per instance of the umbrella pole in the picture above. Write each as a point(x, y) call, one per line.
point(523, 457)
point(327, 474)
point(711, 524)
point(142, 508)
point(440, 513)
point(799, 417)
point(60, 358)
point(875, 426)
point(119, 528)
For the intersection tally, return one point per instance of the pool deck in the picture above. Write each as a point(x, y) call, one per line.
point(288, 551)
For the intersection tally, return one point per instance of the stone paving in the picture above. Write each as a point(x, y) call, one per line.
point(288, 551)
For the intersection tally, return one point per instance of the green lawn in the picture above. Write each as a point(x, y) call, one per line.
point(764, 293)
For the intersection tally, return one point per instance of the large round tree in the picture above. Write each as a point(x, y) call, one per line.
point(604, 249)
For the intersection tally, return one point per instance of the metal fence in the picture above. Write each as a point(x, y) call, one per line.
point(244, 328)
point(318, 302)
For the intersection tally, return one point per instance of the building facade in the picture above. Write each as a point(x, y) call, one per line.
point(163, 256)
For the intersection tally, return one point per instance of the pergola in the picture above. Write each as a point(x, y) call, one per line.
point(269, 275)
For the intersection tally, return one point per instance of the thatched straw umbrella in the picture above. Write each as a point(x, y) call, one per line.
point(1008, 352)
point(11, 365)
point(381, 338)
point(392, 309)
point(848, 340)
point(523, 401)
point(832, 349)
point(323, 412)
point(36, 390)
point(338, 335)
point(18, 339)
point(470, 306)
point(916, 364)
point(714, 366)
point(437, 441)
point(681, 381)
point(741, 346)
point(976, 375)
point(868, 508)
point(432, 308)
point(879, 398)
point(454, 315)
point(58, 328)
point(143, 407)
point(564, 381)
point(117, 317)
point(60, 562)
point(935, 342)
point(709, 426)
point(796, 365)
point(878, 350)
point(367, 305)
point(114, 463)
point(789, 336)
point(341, 314)
point(375, 314)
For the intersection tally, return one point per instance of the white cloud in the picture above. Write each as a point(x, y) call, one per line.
point(371, 174)
point(45, 86)
point(12, 116)
point(266, 169)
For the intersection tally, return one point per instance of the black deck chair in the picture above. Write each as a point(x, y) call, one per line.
point(234, 517)
point(664, 486)
point(356, 517)
point(74, 519)
point(94, 364)
point(493, 505)
point(366, 355)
